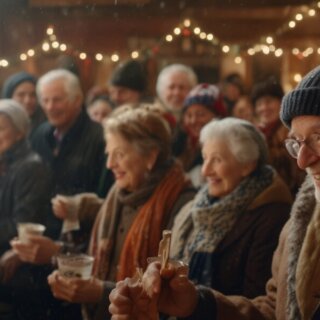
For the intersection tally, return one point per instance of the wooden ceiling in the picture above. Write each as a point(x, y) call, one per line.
point(108, 24)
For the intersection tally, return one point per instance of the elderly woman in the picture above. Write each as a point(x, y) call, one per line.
point(229, 231)
point(150, 188)
point(24, 190)
point(202, 104)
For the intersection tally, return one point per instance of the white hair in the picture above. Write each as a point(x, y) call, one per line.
point(70, 81)
point(243, 139)
point(18, 116)
point(174, 68)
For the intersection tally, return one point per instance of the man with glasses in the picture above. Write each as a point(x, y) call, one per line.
point(293, 292)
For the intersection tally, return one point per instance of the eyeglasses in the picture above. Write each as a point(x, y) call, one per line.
point(293, 146)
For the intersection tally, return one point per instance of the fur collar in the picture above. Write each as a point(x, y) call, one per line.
point(301, 214)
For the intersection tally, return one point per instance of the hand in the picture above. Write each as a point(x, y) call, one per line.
point(177, 295)
point(60, 207)
point(38, 249)
point(75, 289)
point(9, 263)
point(129, 301)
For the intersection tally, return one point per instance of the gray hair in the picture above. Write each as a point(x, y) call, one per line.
point(70, 82)
point(244, 140)
point(174, 68)
point(16, 114)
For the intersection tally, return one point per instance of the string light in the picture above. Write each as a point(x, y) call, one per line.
point(135, 55)
point(83, 56)
point(225, 49)
point(99, 57)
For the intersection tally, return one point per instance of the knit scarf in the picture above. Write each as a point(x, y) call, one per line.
point(211, 221)
point(145, 232)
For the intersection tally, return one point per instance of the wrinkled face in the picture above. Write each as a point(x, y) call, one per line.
point(59, 109)
point(175, 90)
point(122, 95)
point(195, 117)
point(243, 109)
point(8, 134)
point(221, 169)
point(25, 94)
point(267, 110)
point(99, 110)
point(302, 128)
point(130, 168)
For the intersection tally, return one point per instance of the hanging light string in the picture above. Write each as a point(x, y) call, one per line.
point(187, 28)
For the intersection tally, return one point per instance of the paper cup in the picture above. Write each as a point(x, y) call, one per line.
point(75, 265)
point(25, 229)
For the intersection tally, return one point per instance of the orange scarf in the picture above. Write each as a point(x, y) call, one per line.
point(143, 238)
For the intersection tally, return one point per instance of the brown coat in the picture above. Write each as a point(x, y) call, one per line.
point(242, 260)
point(307, 284)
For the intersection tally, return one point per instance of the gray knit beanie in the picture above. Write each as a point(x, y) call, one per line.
point(17, 114)
point(303, 100)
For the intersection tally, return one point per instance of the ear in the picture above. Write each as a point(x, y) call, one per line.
point(247, 168)
point(152, 158)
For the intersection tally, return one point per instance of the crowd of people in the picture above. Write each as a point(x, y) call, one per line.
point(227, 170)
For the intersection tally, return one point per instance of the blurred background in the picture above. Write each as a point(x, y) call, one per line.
point(254, 38)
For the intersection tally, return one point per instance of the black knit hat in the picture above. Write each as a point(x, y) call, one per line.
point(269, 87)
point(130, 74)
point(12, 82)
point(303, 100)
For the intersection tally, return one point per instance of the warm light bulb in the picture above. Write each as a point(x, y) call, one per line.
point(210, 36)
point(278, 52)
point(82, 55)
point(99, 57)
point(312, 12)
point(169, 38)
point(45, 46)
point(225, 49)
point(23, 57)
point(238, 60)
point(30, 52)
point(203, 35)
point(55, 44)
point(297, 77)
point(63, 47)
point(291, 24)
point(197, 30)
point(49, 31)
point(299, 17)
point(177, 31)
point(269, 40)
point(251, 51)
point(115, 57)
point(135, 55)
point(187, 23)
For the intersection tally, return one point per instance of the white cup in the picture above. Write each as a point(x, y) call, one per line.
point(25, 229)
point(75, 265)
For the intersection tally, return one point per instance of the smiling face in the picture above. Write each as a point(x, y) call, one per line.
point(130, 168)
point(221, 169)
point(8, 134)
point(195, 117)
point(25, 94)
point(175, 90)
point(60, 110)
point(267, 110)
point(302, 127)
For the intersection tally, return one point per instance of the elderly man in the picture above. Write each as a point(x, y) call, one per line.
point(69, 141)
point(294, 289)
point(173, 84)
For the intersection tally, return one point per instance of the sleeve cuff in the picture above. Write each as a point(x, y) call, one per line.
point(206, 307)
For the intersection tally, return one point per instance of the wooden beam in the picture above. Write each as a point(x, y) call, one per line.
point(75, 3)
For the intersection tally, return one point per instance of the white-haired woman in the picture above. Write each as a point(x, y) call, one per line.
point(173, 84)
point(24, 190)
point(228, 233)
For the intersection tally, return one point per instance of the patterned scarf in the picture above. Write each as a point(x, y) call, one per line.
point(211, 221)
point(155, 201)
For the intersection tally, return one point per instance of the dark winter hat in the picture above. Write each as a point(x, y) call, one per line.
point(12, 82)
point(270, 87)
point(207, 95)
point(130, 74)
point(303, 100)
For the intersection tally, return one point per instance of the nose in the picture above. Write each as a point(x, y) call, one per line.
point(206, 169)
point(306, 157)
point(110, 161)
